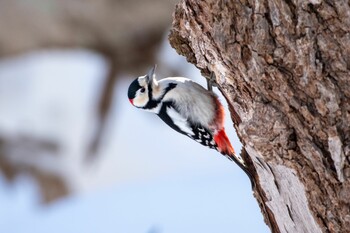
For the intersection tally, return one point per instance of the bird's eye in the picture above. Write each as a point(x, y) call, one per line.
point(142, 90)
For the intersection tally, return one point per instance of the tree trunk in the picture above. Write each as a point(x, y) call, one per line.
point(284, 67)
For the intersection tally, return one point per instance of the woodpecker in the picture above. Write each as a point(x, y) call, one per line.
point(186, 107)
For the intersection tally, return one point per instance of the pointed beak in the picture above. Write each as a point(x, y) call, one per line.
point(152, 71)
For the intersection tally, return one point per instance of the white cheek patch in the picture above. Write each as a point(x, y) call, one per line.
point(141, 99)
point(179, 121)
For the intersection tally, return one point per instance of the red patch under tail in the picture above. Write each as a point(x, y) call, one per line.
point(218, 121)
point(224, 145)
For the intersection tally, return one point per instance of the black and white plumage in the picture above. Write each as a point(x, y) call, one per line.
point(186, 107)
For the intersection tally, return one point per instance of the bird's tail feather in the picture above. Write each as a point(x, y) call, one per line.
point(225, 147)
point(240, 163)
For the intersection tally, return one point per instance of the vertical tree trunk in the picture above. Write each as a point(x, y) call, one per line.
point(284, 67)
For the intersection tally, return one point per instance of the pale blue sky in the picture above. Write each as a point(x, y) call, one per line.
point(148, 179)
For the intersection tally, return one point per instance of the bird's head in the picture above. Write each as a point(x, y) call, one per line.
point(140, 91)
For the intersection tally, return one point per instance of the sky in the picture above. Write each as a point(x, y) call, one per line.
point(147, 178)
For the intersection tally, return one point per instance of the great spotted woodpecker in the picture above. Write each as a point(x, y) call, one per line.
point(186, 107)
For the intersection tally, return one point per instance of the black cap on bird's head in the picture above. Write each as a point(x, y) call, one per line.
point(140, 90)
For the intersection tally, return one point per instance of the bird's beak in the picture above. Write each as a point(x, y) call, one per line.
point(151, 72)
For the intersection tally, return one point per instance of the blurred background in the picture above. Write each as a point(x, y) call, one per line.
point(75, 156)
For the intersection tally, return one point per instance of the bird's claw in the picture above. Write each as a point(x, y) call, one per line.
point(211, 81)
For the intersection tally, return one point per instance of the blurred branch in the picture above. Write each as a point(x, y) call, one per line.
point(141, 53)
point(104, 107)
point(126, 33)
point(23, 154)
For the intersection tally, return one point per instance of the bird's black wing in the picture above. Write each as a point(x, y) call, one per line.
point(172, 117)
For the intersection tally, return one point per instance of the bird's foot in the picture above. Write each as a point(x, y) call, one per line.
point(211, 81)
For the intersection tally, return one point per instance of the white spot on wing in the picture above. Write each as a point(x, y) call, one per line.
point(179, 121)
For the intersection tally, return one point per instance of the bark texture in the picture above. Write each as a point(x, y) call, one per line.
point(284, 67)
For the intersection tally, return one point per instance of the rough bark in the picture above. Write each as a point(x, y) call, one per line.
point(284, 67)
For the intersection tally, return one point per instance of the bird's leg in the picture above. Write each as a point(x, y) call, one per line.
point(211, 81)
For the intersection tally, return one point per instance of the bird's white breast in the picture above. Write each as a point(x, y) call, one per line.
point(191, 100)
